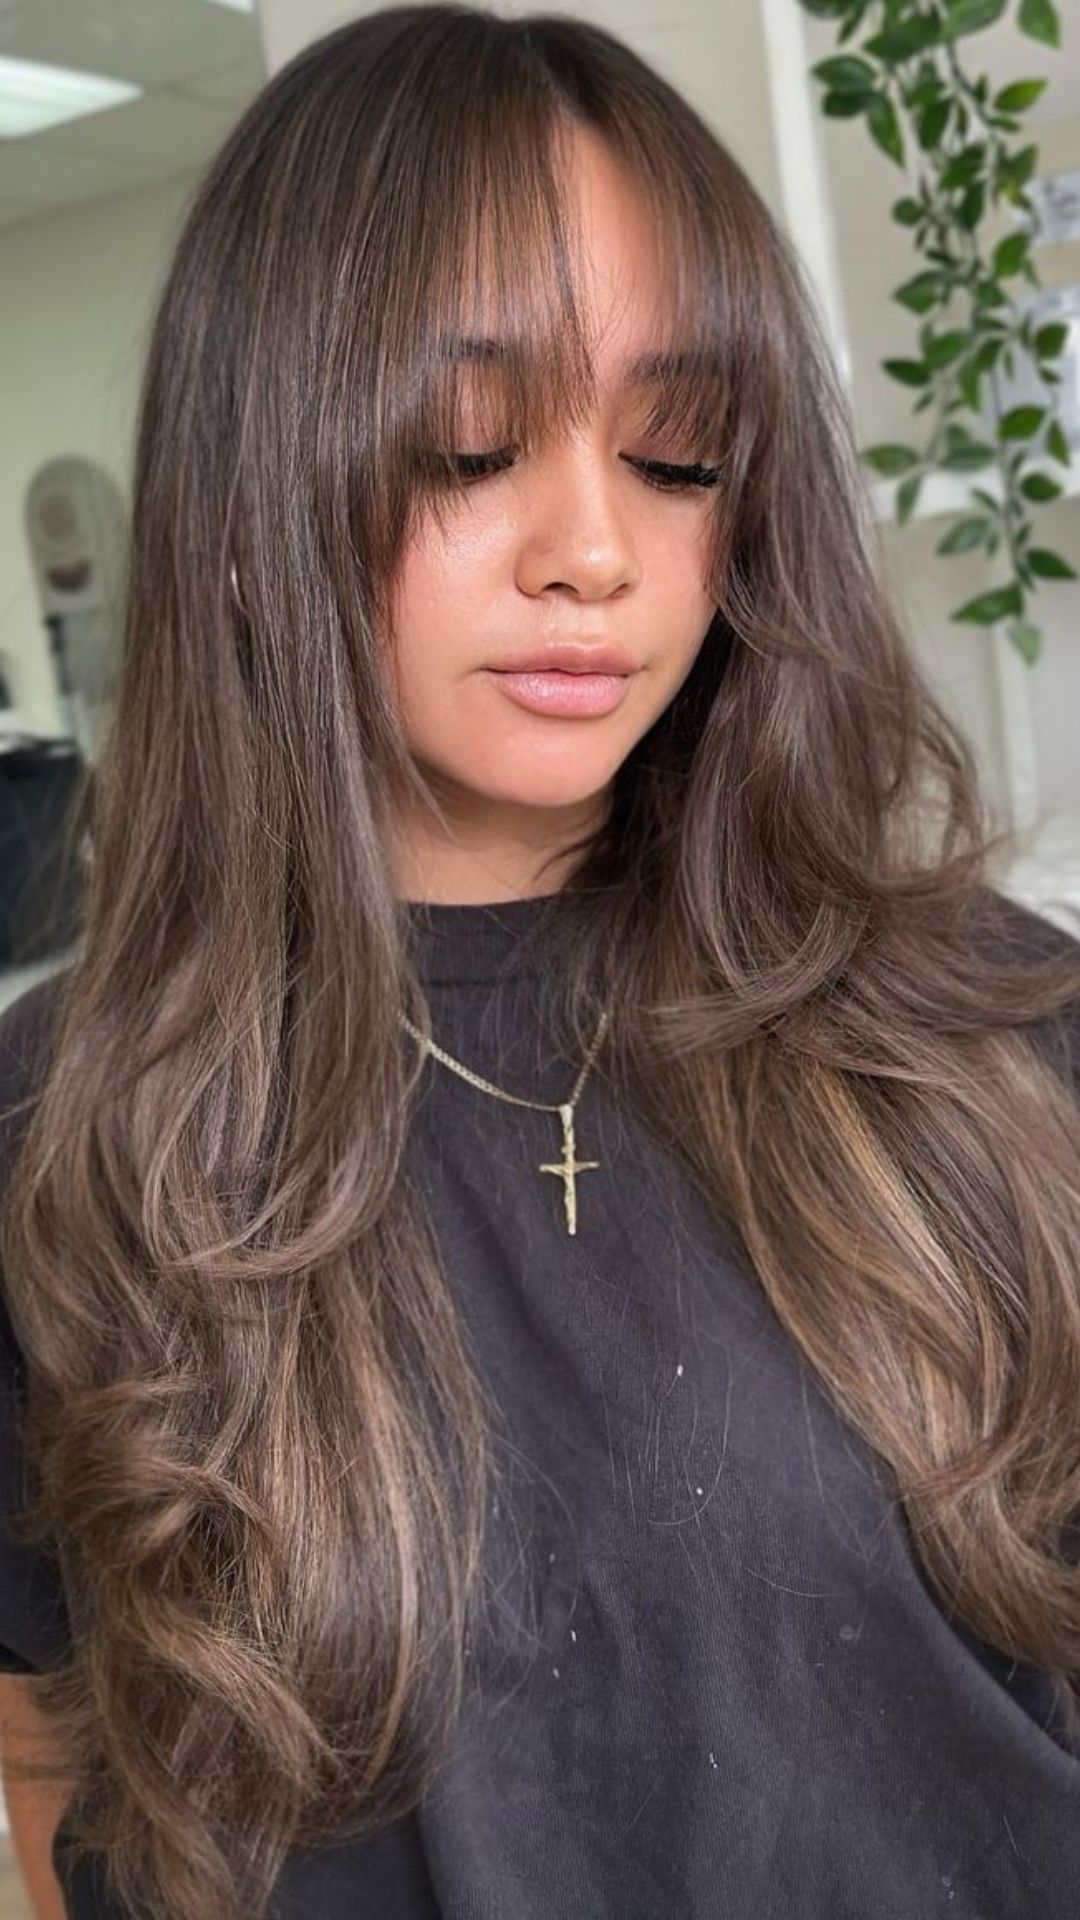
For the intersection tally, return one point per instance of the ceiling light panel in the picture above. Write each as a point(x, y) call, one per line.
point(34, 95)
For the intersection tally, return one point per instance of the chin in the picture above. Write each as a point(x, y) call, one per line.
point(544, 795)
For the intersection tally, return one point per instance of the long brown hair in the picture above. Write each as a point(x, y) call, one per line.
point(258, 1439)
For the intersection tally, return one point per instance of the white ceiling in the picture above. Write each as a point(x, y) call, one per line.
point(198, 64)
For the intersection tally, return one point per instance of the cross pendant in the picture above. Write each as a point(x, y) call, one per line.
point(568, 1166)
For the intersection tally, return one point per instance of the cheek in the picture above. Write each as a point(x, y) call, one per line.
point(678, 549)
point(435, 627)
point(679, 595)
point(444, 580)
point(421, 613)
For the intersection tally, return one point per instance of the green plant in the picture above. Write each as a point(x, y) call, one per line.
point(908, 80)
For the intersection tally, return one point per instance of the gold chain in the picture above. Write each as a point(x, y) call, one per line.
point(569, 1166)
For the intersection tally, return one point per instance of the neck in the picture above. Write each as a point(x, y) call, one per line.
point(481, 861)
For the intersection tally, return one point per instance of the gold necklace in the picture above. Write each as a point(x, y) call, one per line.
point(569, 1166)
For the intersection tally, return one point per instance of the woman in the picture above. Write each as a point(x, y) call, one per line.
point(542, 1225)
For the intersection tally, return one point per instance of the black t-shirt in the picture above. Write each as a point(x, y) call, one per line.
point(741, 1698)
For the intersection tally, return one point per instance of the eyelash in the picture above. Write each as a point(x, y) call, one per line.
point(662, 474)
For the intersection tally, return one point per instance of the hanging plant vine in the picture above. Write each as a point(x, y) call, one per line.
point(908, 80)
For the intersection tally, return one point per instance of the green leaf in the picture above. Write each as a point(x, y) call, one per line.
point(1050, 566)
point(987, 608)
point(896, 44)
point(884, 127)
point(924, 93)
point(1057, 445)
point(988, 354)
point(912, 373)
point(844, 106)
point(987, 500)
point(826, 9)
point(970, 16)
point(1026, 639)
point(889, 458)
point(1015, 170)
point(1039, 20)
point(1020, 422)
point(1009, 255)
point(1022, 93)
point(930, 126)
point(967, 380)
point(907, 211)
point(972, 206)
point(846, 73)
point(1039, 486)
point(965, 534)
point(1050, 340)
point(965, 166)
point(942, 349)
point(967, 457)
point(907, 494)
point(922, 292)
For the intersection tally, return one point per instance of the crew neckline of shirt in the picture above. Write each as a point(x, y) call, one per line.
point(473, 943)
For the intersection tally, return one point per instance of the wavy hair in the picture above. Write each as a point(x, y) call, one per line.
point(256, 1434)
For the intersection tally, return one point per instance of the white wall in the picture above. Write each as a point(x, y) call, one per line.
point(76, 292)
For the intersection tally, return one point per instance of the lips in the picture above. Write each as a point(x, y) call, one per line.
point(568, 657)
point(564, 695)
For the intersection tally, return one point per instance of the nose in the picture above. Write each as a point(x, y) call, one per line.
point(578, 533)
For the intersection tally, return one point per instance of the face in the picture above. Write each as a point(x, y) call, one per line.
point(571, 542)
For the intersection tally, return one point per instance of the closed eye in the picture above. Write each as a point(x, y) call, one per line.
point(661, 473)
point(655, 473)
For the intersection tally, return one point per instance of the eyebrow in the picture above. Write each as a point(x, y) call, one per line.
point(639, 369)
